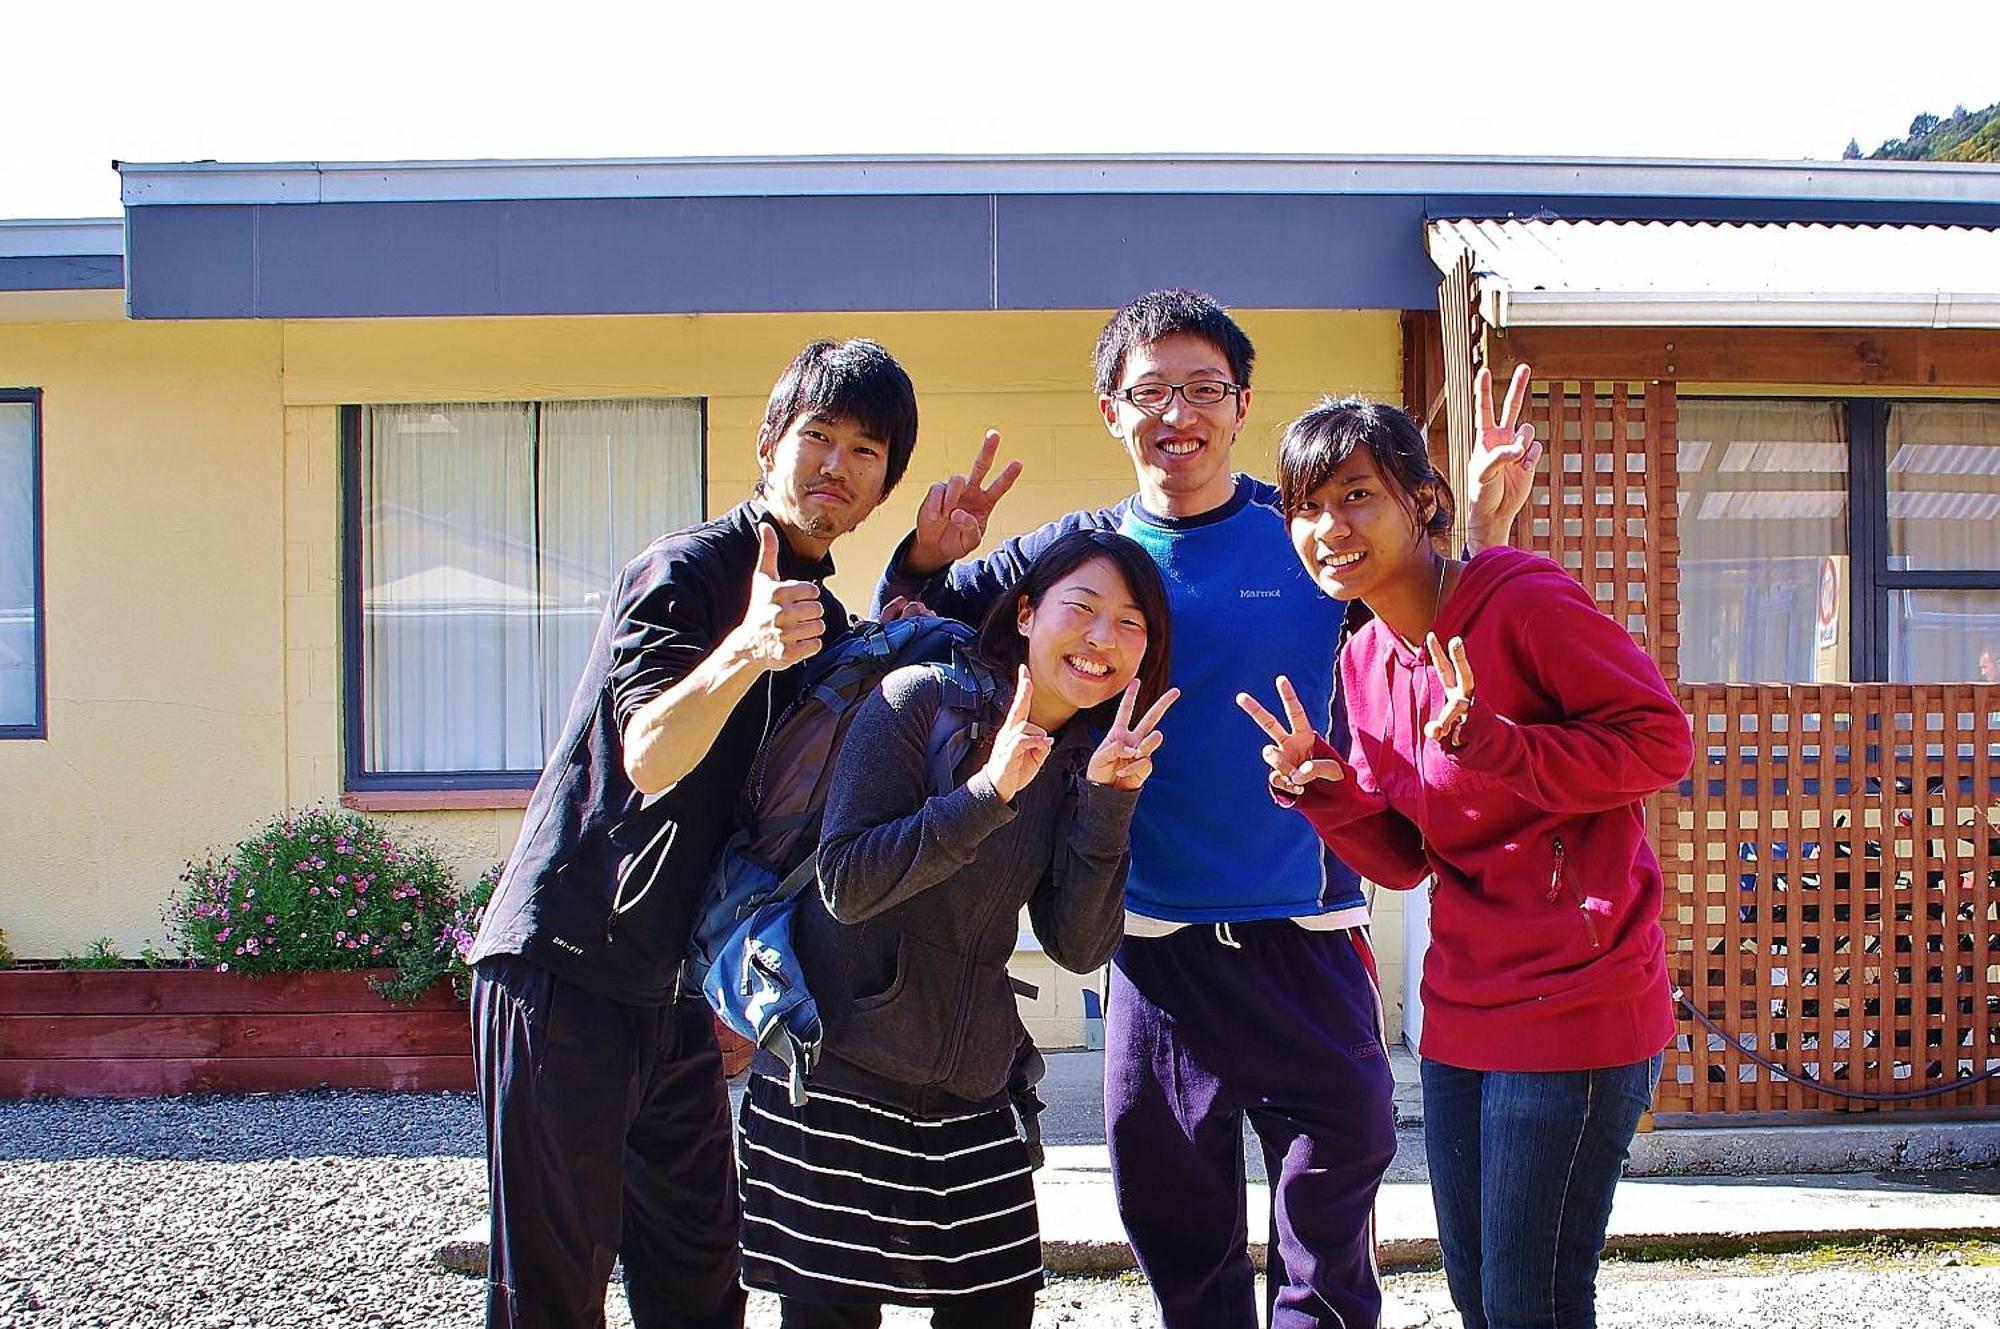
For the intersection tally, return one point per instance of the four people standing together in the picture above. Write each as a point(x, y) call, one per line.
point(1116, 792)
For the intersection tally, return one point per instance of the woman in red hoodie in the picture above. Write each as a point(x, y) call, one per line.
point(1546, 1002)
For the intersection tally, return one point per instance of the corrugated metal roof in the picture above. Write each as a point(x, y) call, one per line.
point(1716, 274)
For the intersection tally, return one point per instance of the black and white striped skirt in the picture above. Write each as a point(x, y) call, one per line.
point(850, 1201)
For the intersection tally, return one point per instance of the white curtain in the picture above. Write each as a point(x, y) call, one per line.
point(494, 534)
point(1944, 513)
point(18, 610)
point(448, 575)
point(1763, 501)
point(615, 474)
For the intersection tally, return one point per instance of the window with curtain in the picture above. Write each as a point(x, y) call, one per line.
point(20, 566)
point(1763, 503)
point(1944, 516)
point(490, 537)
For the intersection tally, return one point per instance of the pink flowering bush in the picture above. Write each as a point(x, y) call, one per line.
point(462, 928)
point(314, 889)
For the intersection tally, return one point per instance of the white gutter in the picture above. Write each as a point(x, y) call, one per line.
point(1503, 308)
point(163, 183)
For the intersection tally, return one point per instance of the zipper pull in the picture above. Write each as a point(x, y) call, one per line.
point(1556, 873)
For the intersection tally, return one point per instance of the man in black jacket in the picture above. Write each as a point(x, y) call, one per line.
point(607, 1119)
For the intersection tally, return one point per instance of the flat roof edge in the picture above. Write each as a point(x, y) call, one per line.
point(145, 184)
point(63, 238)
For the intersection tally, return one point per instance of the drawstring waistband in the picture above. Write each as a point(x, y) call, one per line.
point(1226, 934)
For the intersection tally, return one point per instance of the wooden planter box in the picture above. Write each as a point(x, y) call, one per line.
point(138, 1033)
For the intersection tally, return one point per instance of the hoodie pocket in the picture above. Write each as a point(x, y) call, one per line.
point(905, 1033)
point(1561, 883)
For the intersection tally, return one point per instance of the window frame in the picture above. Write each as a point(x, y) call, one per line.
point(38, 728)
point(1871, 581)
point(1869, 454)
point(353, 699)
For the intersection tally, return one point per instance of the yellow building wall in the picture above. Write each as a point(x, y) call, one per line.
point(165, 621)
point(217, 445)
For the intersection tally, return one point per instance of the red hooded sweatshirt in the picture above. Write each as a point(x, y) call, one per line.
point(1546, 952)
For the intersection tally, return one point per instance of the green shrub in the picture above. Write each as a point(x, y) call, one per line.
point(418, 969)
point(316, 889)
point(7, 960)
point(100, 954)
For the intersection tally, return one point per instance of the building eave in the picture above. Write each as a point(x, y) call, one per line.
point(62, 238)
point(146, 184)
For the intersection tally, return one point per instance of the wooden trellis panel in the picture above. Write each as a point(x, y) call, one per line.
point(1604, 502)
point(1831, 896)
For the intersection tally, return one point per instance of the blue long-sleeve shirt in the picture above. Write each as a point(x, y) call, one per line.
point(1208, 844)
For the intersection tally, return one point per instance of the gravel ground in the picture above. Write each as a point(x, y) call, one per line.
point(323, 1210)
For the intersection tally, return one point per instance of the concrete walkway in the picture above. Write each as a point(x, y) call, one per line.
point(1820, 1182)
point(1081, 1232)
point(1786, 1183)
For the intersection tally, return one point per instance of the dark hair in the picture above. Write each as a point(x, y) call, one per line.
point(853, 380)
point(1001, 645)
point(1319, 442)
point(1171, 312)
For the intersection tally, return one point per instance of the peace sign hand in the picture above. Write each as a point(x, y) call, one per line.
point(1501, 473)
point(952, 520)
point(1454, 671)
point(1289, 753)
point(1019, 747)
point(1125, 758)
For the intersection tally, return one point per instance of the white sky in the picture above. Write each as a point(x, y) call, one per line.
point(361, 80)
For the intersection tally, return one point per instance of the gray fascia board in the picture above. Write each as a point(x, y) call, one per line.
point(83, 237)
point(166, 183)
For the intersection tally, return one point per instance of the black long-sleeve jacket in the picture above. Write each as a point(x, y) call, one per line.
point(603, 883)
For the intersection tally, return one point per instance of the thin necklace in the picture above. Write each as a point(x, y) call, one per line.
point(1437, 603)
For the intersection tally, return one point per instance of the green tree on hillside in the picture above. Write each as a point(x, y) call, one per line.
point(1964, 136)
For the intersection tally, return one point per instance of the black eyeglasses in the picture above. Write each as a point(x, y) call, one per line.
point(1157, 396)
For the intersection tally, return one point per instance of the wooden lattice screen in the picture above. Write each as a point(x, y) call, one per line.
point(1831, 895)
point(1831, 864)
point(1604, 504)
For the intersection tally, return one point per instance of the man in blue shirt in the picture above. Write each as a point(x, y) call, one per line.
point(1245, 986)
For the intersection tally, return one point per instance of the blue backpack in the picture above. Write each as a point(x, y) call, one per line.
point(741, 951)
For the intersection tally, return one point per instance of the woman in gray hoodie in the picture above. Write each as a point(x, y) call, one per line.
point(904, 1177)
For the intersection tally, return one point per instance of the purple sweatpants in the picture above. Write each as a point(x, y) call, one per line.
point(1208, 1025)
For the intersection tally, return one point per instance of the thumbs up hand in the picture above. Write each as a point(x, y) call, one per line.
point(784, 622)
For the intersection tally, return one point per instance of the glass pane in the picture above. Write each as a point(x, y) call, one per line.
point(448, 589)
point(1944, 484)
point(18, 610)
point(1944, 636)
point(615, 474)
point(1763, 533)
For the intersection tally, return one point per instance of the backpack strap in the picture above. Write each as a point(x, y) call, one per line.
point(798, 878)
point(966, 686)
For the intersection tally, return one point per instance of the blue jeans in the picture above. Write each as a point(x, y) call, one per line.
point(1523, 1165)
